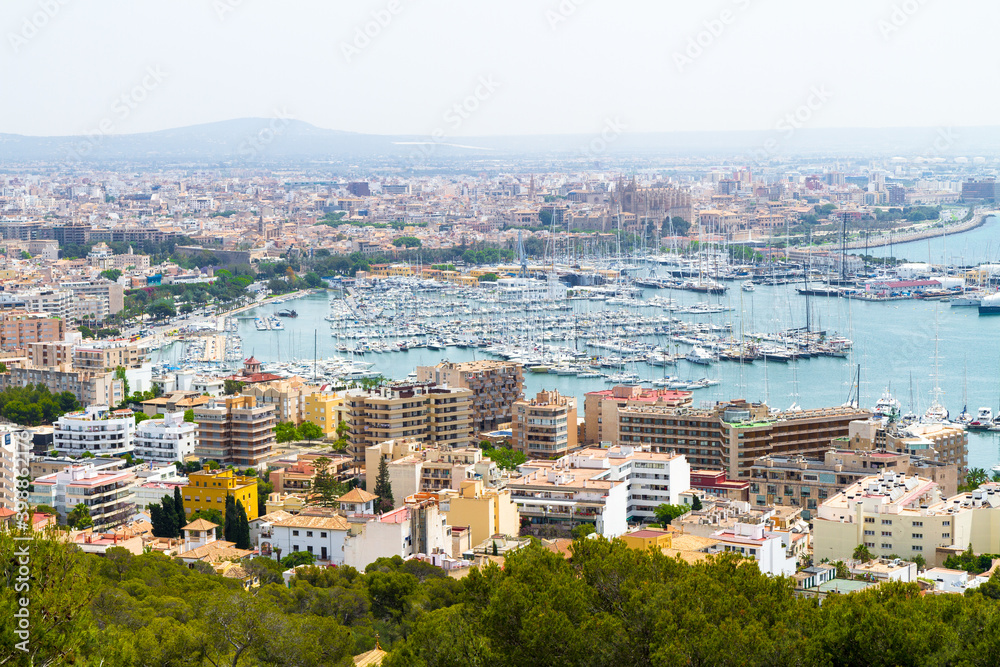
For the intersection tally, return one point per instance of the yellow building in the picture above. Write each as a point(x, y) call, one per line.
point(643, 540)
point(207, 490)
point(326, 410)
point(486, 512)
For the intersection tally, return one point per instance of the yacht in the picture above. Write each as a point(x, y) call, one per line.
point(748, 286)
point(699, 355)
point(887, 406)
point(983, 420)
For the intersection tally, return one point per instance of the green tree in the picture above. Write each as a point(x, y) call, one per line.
point(189, 415)
point(121, 374)
point(383, 488)
point(232, 387)
point(285, 432)
point(179, 511)
point(406, 242)
point(161, 309)
point(242, 527)
point(325, 485)
point(310, 431)
point(974, 479)
point(665, 513)
point(505, 457)
point(297, 558)
point(79, 517)
point(488, 278)
point(111, 274)
point(231, 525)
point(696, 504)
point(581, 531)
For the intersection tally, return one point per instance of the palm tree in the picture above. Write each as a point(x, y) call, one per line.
point(975, 477)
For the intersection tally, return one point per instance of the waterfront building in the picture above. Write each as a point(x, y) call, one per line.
point(941, 442)
point(732, 435)
point(106, 493)
point(208, 489)
point(168, 439)
point(235, 430)
point(97, 430)
point(545, 426)
point(495, 385)
point(439, 416)
point(600, 408)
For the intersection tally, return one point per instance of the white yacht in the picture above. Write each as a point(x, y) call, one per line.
point(887, 406)
point(699, 355)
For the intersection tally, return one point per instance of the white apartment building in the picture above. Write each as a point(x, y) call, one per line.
point(97, 430)
point(8, 471)
point(106, 493)
point(608, 487)
point(167, 440)
point(322, 536)
point(755, 541)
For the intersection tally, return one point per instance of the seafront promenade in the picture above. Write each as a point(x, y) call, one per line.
point(920, 234)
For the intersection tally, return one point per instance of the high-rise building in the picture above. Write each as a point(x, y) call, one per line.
point(235, 430)
point(96, 430)
point(732, 435)
point(20, 329)
point(545, 426)
point(168, 439)
point(436, 415)
point(986, 189)
point(600, 408)
point(495, 385)
point(107, 494)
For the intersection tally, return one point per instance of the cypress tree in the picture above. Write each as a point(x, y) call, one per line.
point(242, 527)
point(383, 488)
point(169, 517)
point(179, 509)
point(229, 530)
point(156, 518)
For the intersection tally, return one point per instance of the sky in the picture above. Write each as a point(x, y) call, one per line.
point(473, 68)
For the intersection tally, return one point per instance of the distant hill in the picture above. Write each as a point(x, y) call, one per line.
point(252, 140)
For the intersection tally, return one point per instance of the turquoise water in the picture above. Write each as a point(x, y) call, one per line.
point(894, 344)
point(973, 247)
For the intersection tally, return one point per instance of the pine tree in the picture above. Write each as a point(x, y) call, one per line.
point(324, 484)
point(696, 504)
point(383, 488)
point(179, 509)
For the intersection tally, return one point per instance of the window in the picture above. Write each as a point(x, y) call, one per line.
point(295, 547)
point(309, 533)
point(886, 522)
point(917, 536)
point(917, 547)
point(886, 546)
point(869, 519)
point(886, 533)
point(945, 534)
point(946, 523)
point(918, 524)
point(323, 534)
point(295, 533)
point(869, 532)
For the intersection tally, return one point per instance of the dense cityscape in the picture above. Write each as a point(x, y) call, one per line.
point(539, 383)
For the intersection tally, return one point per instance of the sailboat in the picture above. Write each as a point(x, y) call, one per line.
point(936, 412)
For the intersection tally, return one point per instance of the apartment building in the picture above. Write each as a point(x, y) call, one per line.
point(942, 442)
point(208, 489)
point(165, 440)
point(19, 329)
point(891, 514)
point(9, 462)
point(415, 467)
point(495, 386)
point(97, 357)
point(235, 430)
point(439, 416)
point(287, 397)
point(484, 511)
point(545, 426)
point(755, 541)
point(325, 409)
point(106, 493)
point(803, 482)
point(97, 430)
point(111, 293)
point(51, 354)
point(608, 487)
point(732, 435)
point(600, 408)
point(322, 536)
point(55, 303)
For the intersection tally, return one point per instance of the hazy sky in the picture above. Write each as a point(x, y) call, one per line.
point(512, 67)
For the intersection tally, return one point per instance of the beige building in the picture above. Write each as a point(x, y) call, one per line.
point(435, 415)
point(235, 430)
point(891, 514)
point(600, 408)
point(943, 442)
point(287, 397)
point(545, 426)
point(495, 385)
point(732, 435)
point(805, 483)
point(486, 512)
point(418, 468)
point(97, 357)
point(20, 329)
